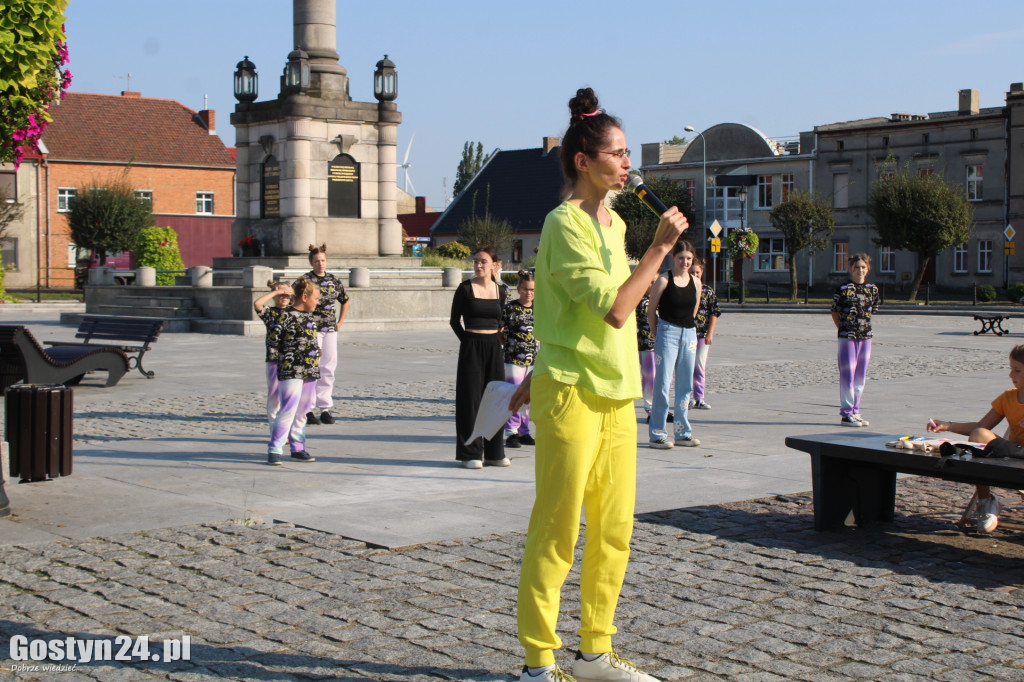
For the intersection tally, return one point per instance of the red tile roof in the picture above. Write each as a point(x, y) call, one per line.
point(131, 129)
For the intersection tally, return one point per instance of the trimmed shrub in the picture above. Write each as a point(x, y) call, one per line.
point(986, 293)
point(734, 291)
point(158, 248)
point(1016, 292)
point(456, 250)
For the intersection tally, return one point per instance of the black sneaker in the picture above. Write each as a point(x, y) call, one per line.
point(274, 459)
point(303, 456)
point(326, 418)
point(512, 442)
point(527, 439)
point(311, 418)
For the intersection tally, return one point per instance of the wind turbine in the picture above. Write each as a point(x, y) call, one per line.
point(405, 166)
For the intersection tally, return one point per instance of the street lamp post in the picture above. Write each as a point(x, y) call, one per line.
point(704, 185)
point(743, 226)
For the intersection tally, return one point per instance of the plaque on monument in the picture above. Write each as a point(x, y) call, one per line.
point(270, 189)
point(343, 187)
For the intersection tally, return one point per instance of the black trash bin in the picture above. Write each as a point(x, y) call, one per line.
point(38, 428)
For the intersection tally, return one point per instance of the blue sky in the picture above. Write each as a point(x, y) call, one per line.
point(502, 73)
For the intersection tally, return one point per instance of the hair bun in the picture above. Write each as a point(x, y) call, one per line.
point(583, 104)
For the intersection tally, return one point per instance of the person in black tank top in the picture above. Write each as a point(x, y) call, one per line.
point(477, 309)
point(674, 299)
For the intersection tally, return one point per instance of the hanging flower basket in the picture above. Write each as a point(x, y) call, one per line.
point(742, 243)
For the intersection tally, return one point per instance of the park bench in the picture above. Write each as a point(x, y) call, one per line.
point(130, 335)
point(992, 323)
point(857, 473)
point(23, 359)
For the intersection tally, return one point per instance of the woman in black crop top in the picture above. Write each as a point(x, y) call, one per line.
point(674, 300)
point(476, 320)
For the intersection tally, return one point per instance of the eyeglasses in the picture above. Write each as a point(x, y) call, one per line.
point(618, 152)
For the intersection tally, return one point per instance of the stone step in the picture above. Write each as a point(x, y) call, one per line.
point(157, 301)
point(150, 311)
point(175, 325)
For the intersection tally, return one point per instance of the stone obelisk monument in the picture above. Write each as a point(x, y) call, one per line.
point(314, 166)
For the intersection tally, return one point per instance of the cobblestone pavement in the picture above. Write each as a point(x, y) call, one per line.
point(743, 591)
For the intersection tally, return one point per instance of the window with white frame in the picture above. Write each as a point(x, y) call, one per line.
point(841, 191)
point(975, 175)
point(145, 195)
point(788, 185)
point(926, 171)
point(723, 204)
point(960, 257)
point(764, 191)
point(984, 255)
point(65, 196)
point(204, 203)
point(841, 257)
point(771, 254)
point(887, 259)
point(690, 186)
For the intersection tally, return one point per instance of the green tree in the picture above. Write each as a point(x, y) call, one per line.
point(487, 230)
point(641, 223)
point(472, 160)
point(108, 218)
point(676, 140)
point(158, 248)
point(33, 52)
point(919, 213)
point(806, 221)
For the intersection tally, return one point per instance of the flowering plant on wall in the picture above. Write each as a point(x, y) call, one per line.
point(33, 54)
point(250, 242)
point(742, 243)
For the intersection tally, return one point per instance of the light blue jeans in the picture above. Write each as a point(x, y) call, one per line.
point(675, 351)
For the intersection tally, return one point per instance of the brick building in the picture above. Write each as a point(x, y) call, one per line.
point(169, 154)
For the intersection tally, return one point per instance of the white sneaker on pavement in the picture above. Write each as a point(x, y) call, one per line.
point(609, 667)
point(553, 674)
point(988, 514)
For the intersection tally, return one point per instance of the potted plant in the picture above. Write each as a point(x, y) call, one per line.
point(250, 247)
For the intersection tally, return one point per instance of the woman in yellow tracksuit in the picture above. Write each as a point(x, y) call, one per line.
point(582, 389)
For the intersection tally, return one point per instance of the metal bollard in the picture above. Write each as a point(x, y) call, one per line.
point(975, 286)
point(928, 293)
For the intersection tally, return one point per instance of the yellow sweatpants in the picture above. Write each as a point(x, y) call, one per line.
point(586, 457)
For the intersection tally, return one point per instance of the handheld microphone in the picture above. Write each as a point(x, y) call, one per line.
point(636, 184)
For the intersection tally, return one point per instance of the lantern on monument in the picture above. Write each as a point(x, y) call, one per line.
point(246, 81)
point(385, 81)
point(296, 71)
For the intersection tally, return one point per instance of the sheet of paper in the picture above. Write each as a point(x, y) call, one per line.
point(493, 412)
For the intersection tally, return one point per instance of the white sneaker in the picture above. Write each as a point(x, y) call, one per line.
point(472, 464)
point(862, 420)
point(688, 442)
point(608, 668)
point(503, 462)
point(988, 514)
point(555, 674)
point(661, 444)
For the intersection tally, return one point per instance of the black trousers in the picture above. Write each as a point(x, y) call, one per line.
point(480, 361)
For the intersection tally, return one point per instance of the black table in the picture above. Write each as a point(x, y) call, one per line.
point(857, 472)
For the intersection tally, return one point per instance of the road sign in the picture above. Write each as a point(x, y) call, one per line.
point(1009, 232)
point(716, 245)
point(715, 228)
point(1009, 248)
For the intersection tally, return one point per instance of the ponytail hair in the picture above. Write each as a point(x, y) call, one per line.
point(313, 250)
point(526, 275)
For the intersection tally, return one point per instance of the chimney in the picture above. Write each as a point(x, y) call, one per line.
point(421, 204)
point(207, 116)
point(550, 143)
point(130, 93)
point(968, 102)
